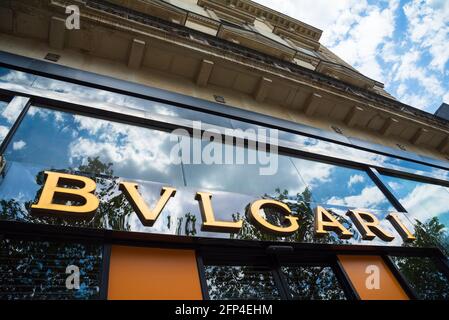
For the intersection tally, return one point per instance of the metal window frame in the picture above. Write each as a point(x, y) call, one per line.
point(145, 119)
point(26, 102)
point(76, 76)
point(273, 262)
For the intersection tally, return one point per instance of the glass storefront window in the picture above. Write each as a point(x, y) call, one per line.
point(327, 183)
point(427, 207)
point(163, 109)
point(86, 93)
point(9, 112)
point(424, 277)
point(37, 270)
point(97, 97)
point(244, 178)
point(312, 283)
point(61, 140)
point(17, 77)
point(5, 124)
point(341, 186)
point(114, 151)
point(240, 283)
point(76, 90)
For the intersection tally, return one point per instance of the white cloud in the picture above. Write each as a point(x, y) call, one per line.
point(354, 179)
point(123, 145)
point(353, 29)
point(319, 13)
point(446, 97)
point(362, 45)
point(406, 46)
point(426, 201)
point(369, 197)
point(18, 145)
point(314, 173)
point(394, 185)
point(12, 111)
point(429, 28)
point(3, 132)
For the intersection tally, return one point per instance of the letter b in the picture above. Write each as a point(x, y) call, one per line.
point(52, 191)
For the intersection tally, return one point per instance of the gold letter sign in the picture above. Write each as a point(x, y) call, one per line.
point(368, 225)
point(146, 215)
point(405, 233)
point(209, 222)
point(52, 191)
point(325, 222)
point(268, 227)
point(73, 195)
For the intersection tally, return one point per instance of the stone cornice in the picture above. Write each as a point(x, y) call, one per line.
point(312, 77)
point(272, 16)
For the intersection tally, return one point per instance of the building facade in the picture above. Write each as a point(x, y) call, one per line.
point(95, 96)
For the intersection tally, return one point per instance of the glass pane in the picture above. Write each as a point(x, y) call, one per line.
point(5, 123)
point(92, 145)
point(246, 176)
point(240, 282)
point(168, 110)
point(16, 77)
point(339, 151)
point(427, 207)
point(9, 112)
point(312, 283)
point(37, 270)
point(424, 277)
point(304, 143)
point(79, 91)
point(341, 186)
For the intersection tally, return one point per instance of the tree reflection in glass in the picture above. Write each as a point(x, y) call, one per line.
point(240, 282)
point(113, 209)
point(37, 269)
point(301, 207)
point(427, 208)
point(312, 283)
point(424, 277)
point(69, 140)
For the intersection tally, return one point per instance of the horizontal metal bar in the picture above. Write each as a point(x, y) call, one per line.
point(137, 90)
point(70, 103)
point(221, 246)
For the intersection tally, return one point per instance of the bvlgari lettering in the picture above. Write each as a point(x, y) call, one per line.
point(61, 186)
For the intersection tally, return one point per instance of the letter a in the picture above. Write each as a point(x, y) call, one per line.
point(325, 221)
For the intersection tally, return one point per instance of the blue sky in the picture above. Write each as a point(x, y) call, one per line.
point(402, 43)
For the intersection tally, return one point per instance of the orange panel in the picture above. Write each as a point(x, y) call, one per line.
point(153, 273)
point(362, 269)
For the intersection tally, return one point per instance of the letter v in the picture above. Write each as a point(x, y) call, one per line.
point(147, 216)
